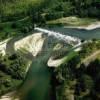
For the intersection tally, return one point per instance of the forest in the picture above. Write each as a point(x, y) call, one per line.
point(17, 9)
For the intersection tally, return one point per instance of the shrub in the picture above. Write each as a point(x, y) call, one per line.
point(14, 25)
point(55, 15)
point(25, 30)
point(1, 28)
point(30, 28)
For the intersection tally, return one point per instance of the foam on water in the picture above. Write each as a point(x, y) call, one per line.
point(66, 38)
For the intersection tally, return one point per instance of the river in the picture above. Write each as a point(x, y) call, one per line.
point(81, 33)
point(37, 85)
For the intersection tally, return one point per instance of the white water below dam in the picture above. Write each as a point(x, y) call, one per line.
point(66, 38)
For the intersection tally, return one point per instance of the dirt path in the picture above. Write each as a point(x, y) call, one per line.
point(90, 58)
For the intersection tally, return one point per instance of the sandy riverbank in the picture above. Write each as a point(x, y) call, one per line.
point(91, 26)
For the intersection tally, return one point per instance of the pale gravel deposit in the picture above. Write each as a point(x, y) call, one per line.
point(32, 43)
point(3, 46)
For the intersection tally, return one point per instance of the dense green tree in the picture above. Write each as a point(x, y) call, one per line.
point(94, 68)
point(12, 71)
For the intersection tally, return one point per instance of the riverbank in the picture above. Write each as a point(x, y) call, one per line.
point(92, 26)
point(76, 22)
point(8, 96)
